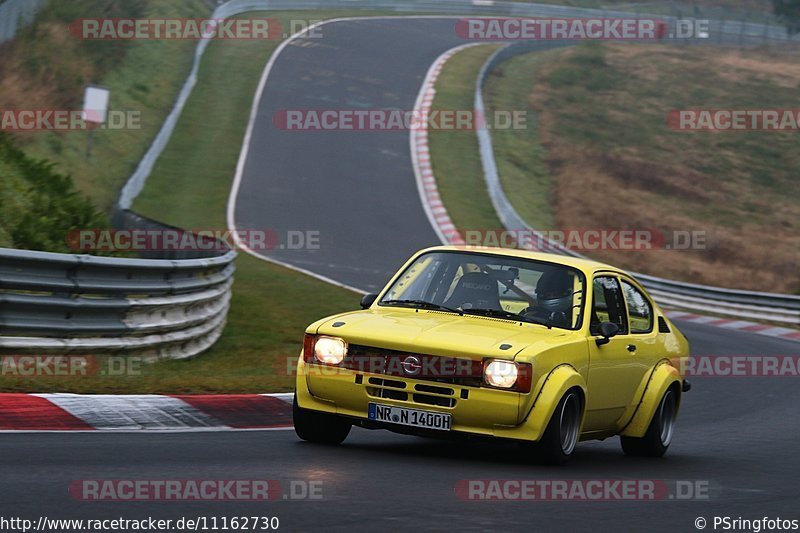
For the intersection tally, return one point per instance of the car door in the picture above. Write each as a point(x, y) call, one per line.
point(641, 322)
point(615, 368)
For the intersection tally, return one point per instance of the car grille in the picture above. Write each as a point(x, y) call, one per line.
point(450, 370)
point(423, 394)
point(444, 373)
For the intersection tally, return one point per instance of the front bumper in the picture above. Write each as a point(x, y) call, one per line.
point(474, 410)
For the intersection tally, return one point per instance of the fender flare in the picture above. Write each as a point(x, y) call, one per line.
point(663, 377)
point(561, 379)
point(302, 393)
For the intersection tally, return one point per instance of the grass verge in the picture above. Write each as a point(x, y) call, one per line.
point(454, 153)
point(47, 67)
point(519, 153)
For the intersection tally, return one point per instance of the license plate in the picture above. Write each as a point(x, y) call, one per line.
point(409, 417)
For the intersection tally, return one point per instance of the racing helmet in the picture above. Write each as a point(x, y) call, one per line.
point(554, 291)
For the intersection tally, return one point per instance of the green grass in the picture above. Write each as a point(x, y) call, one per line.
point(454, 153)
point(190, 182)
point(519, 153)
point(146, 79)
point(47, 67)
point(39, 206)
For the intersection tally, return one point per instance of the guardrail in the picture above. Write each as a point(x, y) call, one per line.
point(772, 307)
point(79, 304)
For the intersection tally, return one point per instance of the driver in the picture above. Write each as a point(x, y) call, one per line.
point(554, 298)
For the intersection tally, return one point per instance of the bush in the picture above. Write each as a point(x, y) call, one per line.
point(39, 206)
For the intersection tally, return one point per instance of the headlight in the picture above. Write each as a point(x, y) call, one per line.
point(330, 350)
point(502, 374)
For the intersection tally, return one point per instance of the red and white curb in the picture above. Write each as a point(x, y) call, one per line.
point(146, 412)
point(737, 325)
point(421, 156)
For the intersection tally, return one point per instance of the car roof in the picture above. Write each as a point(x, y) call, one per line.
point(585, 265)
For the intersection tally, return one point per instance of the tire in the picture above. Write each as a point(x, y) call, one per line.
point(320, 428)
point(563, 431)
point(659, 434)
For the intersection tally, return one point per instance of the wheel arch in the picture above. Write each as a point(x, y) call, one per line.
point(664, 377)
point(559, 381)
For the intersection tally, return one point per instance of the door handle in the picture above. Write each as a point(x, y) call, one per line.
point(631, 348)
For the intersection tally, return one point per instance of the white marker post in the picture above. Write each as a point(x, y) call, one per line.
point(95, 110)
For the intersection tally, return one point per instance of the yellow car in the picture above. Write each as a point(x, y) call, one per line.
point(492, 342)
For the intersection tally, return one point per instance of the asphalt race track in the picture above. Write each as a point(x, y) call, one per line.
point(356, 188)
point(739, 435)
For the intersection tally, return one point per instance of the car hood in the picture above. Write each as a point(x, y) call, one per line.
point(440, 333)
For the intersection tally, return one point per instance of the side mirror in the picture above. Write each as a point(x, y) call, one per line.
point(368, 300)
point(607, 330)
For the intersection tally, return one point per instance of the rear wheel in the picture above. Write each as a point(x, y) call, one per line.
point(659, 434)
point(321, 428)
point(562, 432)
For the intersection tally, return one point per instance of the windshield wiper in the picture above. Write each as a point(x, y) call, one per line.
point(422, 304)
point(502, 313)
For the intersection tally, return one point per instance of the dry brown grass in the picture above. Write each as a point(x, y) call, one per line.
point(32, 76)
point(594, 191)
point(672, 181)
point(28, 84)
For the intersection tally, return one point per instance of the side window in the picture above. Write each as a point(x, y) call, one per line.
point(608, 305)
point(639, 310)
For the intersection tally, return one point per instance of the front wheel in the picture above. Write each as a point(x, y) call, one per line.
point(321, 428)
point(659, 434)
point(562, 432)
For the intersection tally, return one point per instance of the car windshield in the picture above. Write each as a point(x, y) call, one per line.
point(499, 286)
